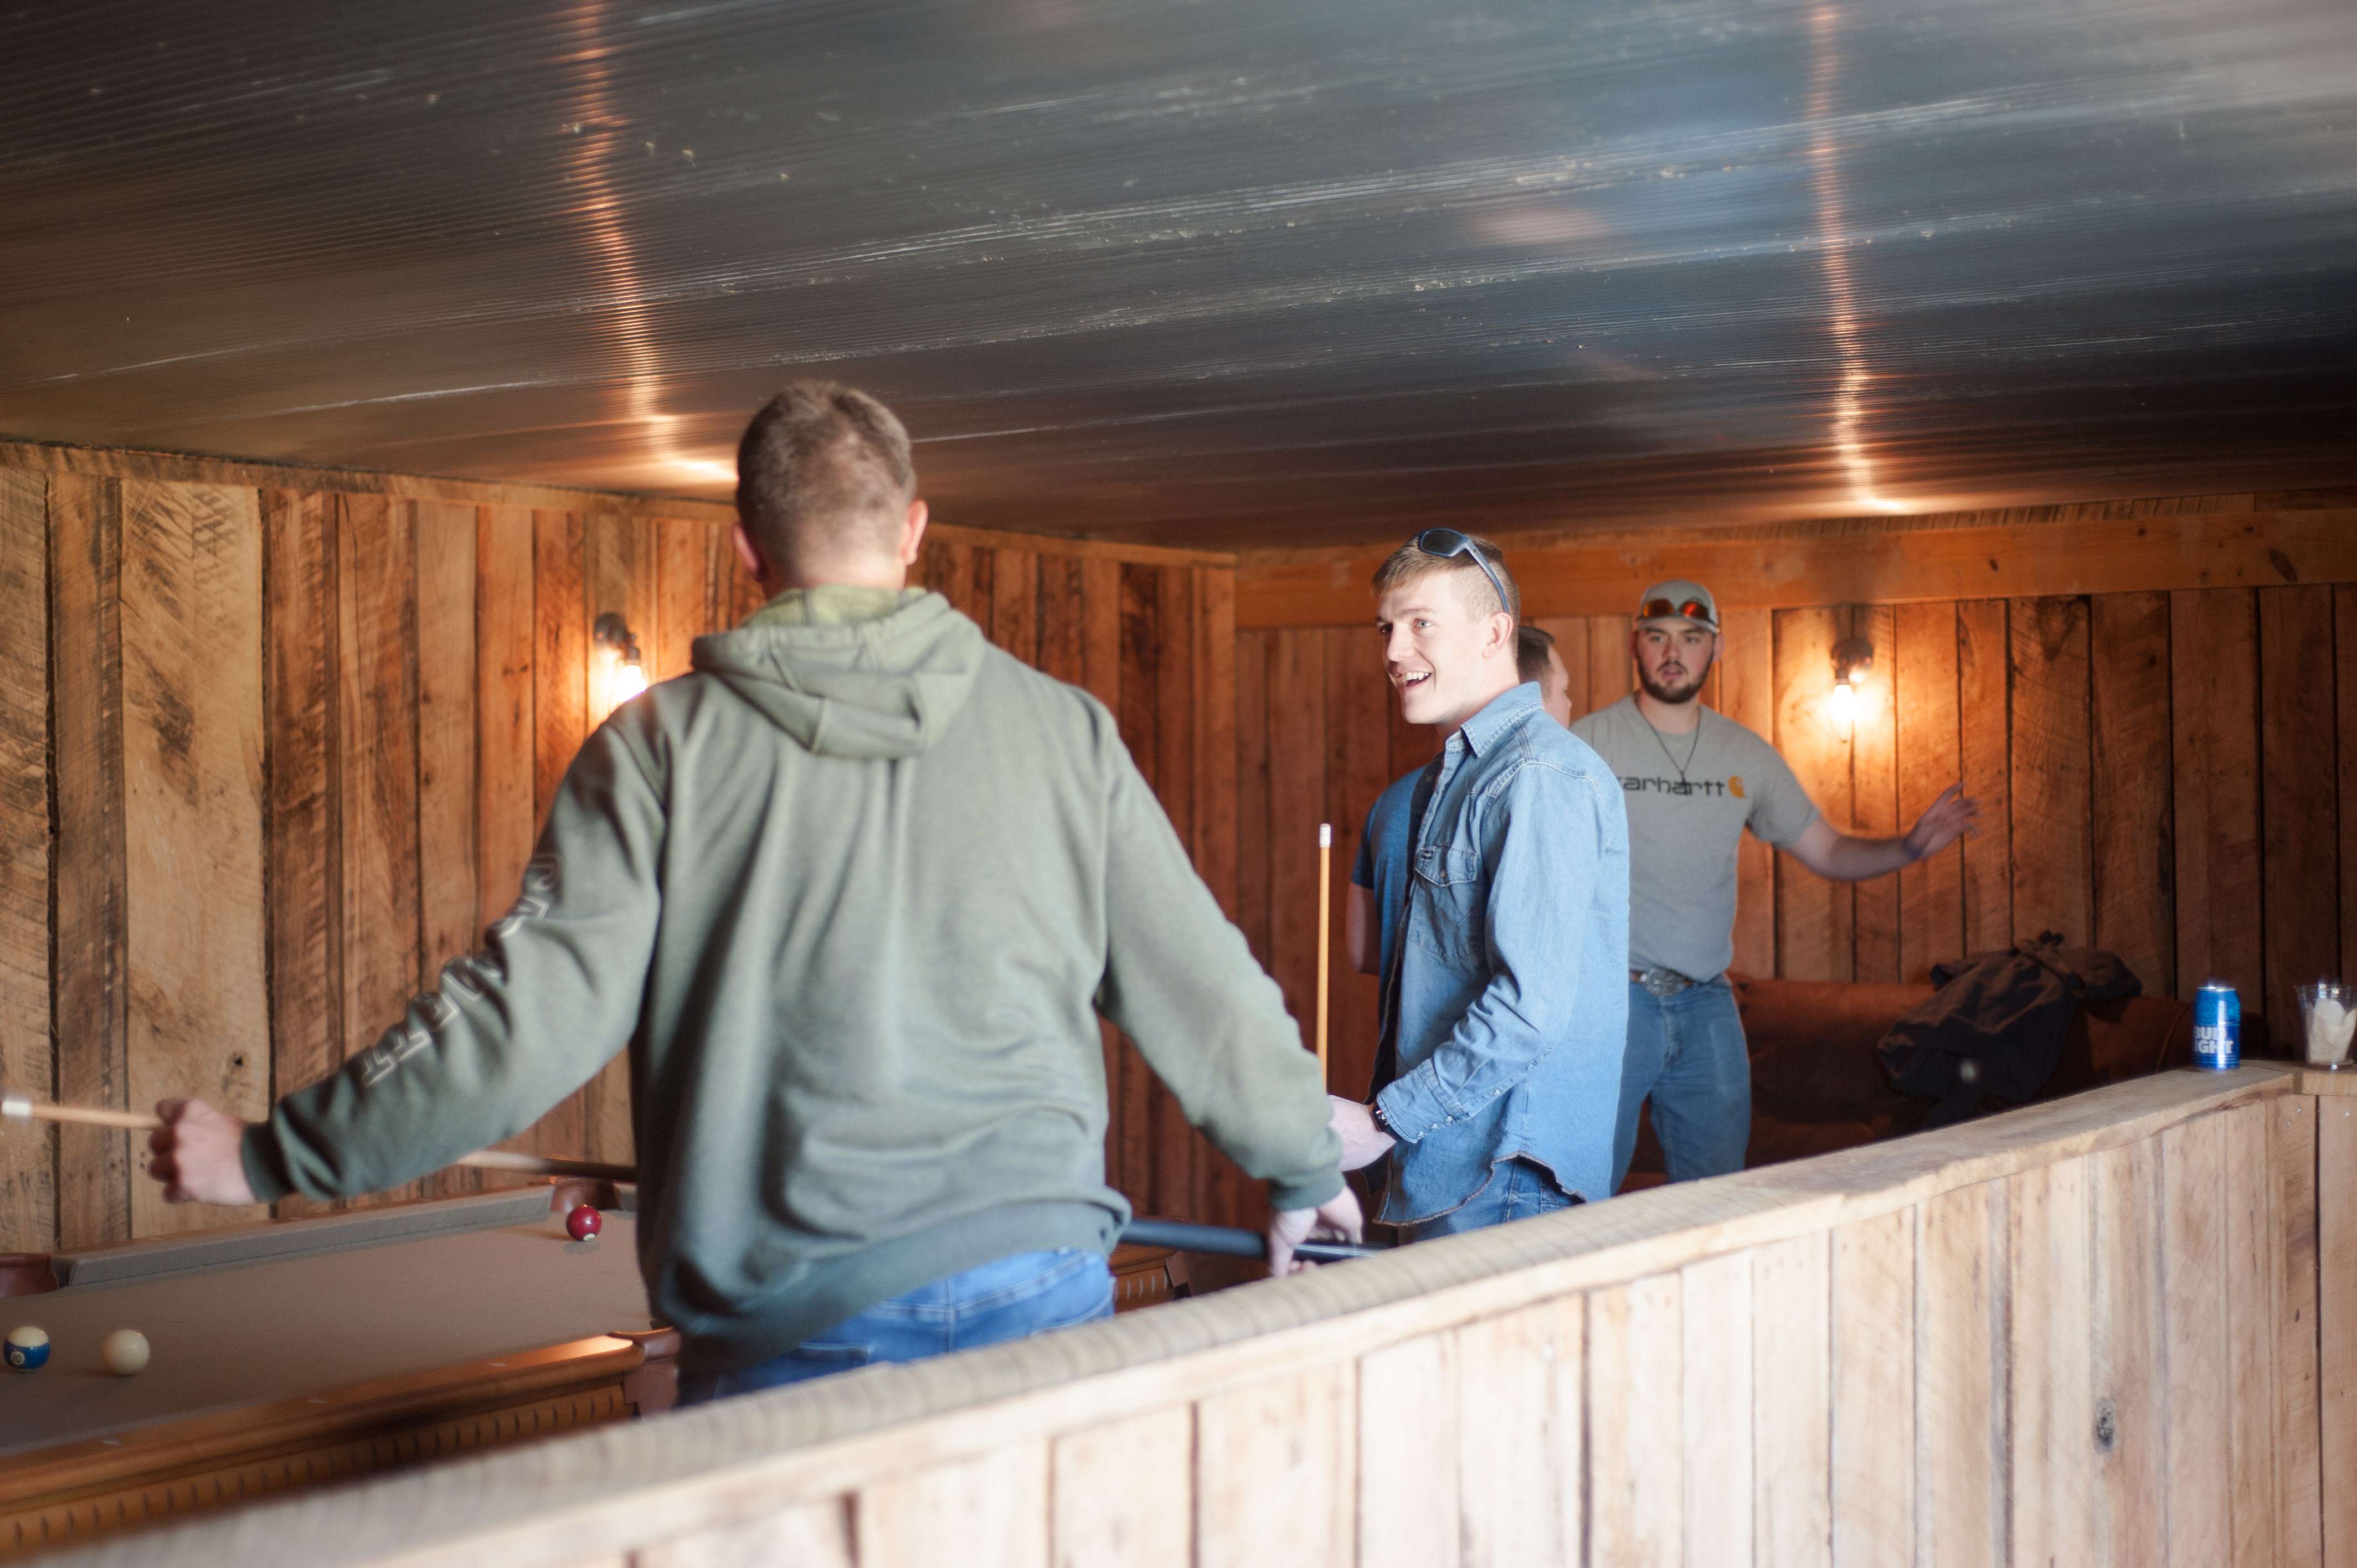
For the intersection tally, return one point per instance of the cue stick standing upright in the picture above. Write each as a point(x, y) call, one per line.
point(1324, 901)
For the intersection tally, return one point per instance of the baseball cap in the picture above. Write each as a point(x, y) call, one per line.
point(1678, 599)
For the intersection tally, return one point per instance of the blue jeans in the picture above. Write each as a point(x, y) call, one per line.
point(1518, 1188)
point(1686, 1051)
point(1012, 1298)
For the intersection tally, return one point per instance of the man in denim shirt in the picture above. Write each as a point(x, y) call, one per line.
point(1499, 1073)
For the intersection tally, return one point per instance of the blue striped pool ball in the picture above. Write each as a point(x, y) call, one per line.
point(28, 1347)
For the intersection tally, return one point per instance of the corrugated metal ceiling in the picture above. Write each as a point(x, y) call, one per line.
point(1229, 273)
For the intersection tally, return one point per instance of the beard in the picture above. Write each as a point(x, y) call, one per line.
point(1682, 691)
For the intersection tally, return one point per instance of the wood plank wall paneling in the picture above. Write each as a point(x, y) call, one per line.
point(2171, 776)
point(29, 1172)
point(395, 684)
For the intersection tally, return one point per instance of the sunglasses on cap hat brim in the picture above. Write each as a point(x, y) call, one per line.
point(1687, 609)
point(1449, 543)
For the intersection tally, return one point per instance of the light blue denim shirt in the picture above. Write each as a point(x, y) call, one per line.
point(1513, 975)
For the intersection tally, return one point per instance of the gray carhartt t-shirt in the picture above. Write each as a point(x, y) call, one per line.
point(1687, 811)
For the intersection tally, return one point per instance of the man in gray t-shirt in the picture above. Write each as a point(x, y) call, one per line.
point(1693, 781)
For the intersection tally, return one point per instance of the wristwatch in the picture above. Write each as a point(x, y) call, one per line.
point(1384, 1123)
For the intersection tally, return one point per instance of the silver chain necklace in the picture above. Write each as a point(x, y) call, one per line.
point(1692, 747)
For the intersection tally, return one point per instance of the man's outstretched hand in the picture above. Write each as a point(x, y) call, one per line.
point(199, 1155)
point(1336, 1219)
point(1942, 822)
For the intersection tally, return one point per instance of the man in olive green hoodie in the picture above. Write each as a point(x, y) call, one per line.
point(853, 893)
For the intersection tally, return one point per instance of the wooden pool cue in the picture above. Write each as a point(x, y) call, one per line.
point(23, 1108)
point(1325, 899)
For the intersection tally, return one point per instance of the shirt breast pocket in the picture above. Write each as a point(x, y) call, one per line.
point(1448, 884)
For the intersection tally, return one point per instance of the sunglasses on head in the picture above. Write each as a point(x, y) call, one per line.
point(1691, 610)
point(1449, 543)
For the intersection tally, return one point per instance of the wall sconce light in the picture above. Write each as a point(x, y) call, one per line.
point(1852, 656)
point(628, 675)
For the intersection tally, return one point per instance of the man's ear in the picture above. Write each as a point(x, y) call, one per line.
point(912, 531)
point(1502, 635)
point(750, 553)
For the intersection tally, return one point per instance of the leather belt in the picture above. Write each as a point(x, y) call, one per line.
point(1663, 981)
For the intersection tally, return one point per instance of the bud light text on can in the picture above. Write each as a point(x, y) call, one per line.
point(2218, 1028)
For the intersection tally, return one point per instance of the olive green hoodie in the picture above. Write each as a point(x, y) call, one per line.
point(853, 893)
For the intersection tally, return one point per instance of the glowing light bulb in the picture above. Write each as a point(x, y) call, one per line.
point(629, 680)
point(1845, 704)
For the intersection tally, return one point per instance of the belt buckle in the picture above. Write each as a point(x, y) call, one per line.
point(1663, 982)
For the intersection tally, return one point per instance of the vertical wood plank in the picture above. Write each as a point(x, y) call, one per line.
point(451, 880)
point(1358, 767)
point(1931, 759)
point(1635, 1409)
point(1064, 620)
point(560, 720)
point(1254, 650)
point(2129, 1357)
point(2336, 1250)
point(1747, 693)
point(29, 1173)
point(1962, 1363)
point(808, 1535)
point(306, 806)
point(1213, 759)
point(1791, 1402)
point(1874, 784)
point(1519, 1437)
point(376, 774)
point(1100, 631)
point(1570, 634)
point(193, 723)
point(1122, 1492)
point(506, 813)
point(2052, 1367)
point(1146, 1119)
point(990, 1512)
point(692, 562)
point(2134, 823)
point(2251, 1335)
point(1611, 672)
point(2344, 641)
point(1984, 729)
point(1408, 1440)
point(2215, 684)
point(2298, 808)
point(1175, 1142)
point(86, 656)
point(1296, 795)
point(2194, 1303)
point(1717, 1361)
point(1015, 603)
point(1814, 916)
point(2053, 874)
point(1874, 1390)
point(2293, 1267)
point(1274, 1469)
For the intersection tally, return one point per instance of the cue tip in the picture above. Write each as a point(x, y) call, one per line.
point(1325, 835)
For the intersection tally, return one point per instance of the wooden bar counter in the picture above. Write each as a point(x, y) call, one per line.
point(2093, 1331)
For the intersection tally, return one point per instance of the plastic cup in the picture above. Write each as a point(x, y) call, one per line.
point(2328, 1024)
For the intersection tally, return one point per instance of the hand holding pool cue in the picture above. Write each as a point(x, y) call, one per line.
point(1182, 1236)
point(24, 1108)
point(1325, 899)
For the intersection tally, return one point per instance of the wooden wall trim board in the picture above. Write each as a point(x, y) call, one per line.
point(29, 1172)
point(174, 467)
point(2051, 1283)
point(2062, 556)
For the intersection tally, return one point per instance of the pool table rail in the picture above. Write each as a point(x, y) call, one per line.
point(159, 1473)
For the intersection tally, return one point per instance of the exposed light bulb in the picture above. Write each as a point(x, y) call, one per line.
point(628, 681)
point(1845, 704)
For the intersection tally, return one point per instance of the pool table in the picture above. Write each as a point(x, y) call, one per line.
point(299, 1352)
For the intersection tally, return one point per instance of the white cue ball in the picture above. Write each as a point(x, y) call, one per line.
point(125, 1351)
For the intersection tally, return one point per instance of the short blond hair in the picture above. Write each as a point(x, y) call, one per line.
point(1411, 561)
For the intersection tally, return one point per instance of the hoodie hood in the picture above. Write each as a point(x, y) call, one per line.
point(876, 688)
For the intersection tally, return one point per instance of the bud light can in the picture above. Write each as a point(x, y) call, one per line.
point(2217, 1028)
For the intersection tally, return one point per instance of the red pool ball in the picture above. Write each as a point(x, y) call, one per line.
point(582, 1223)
